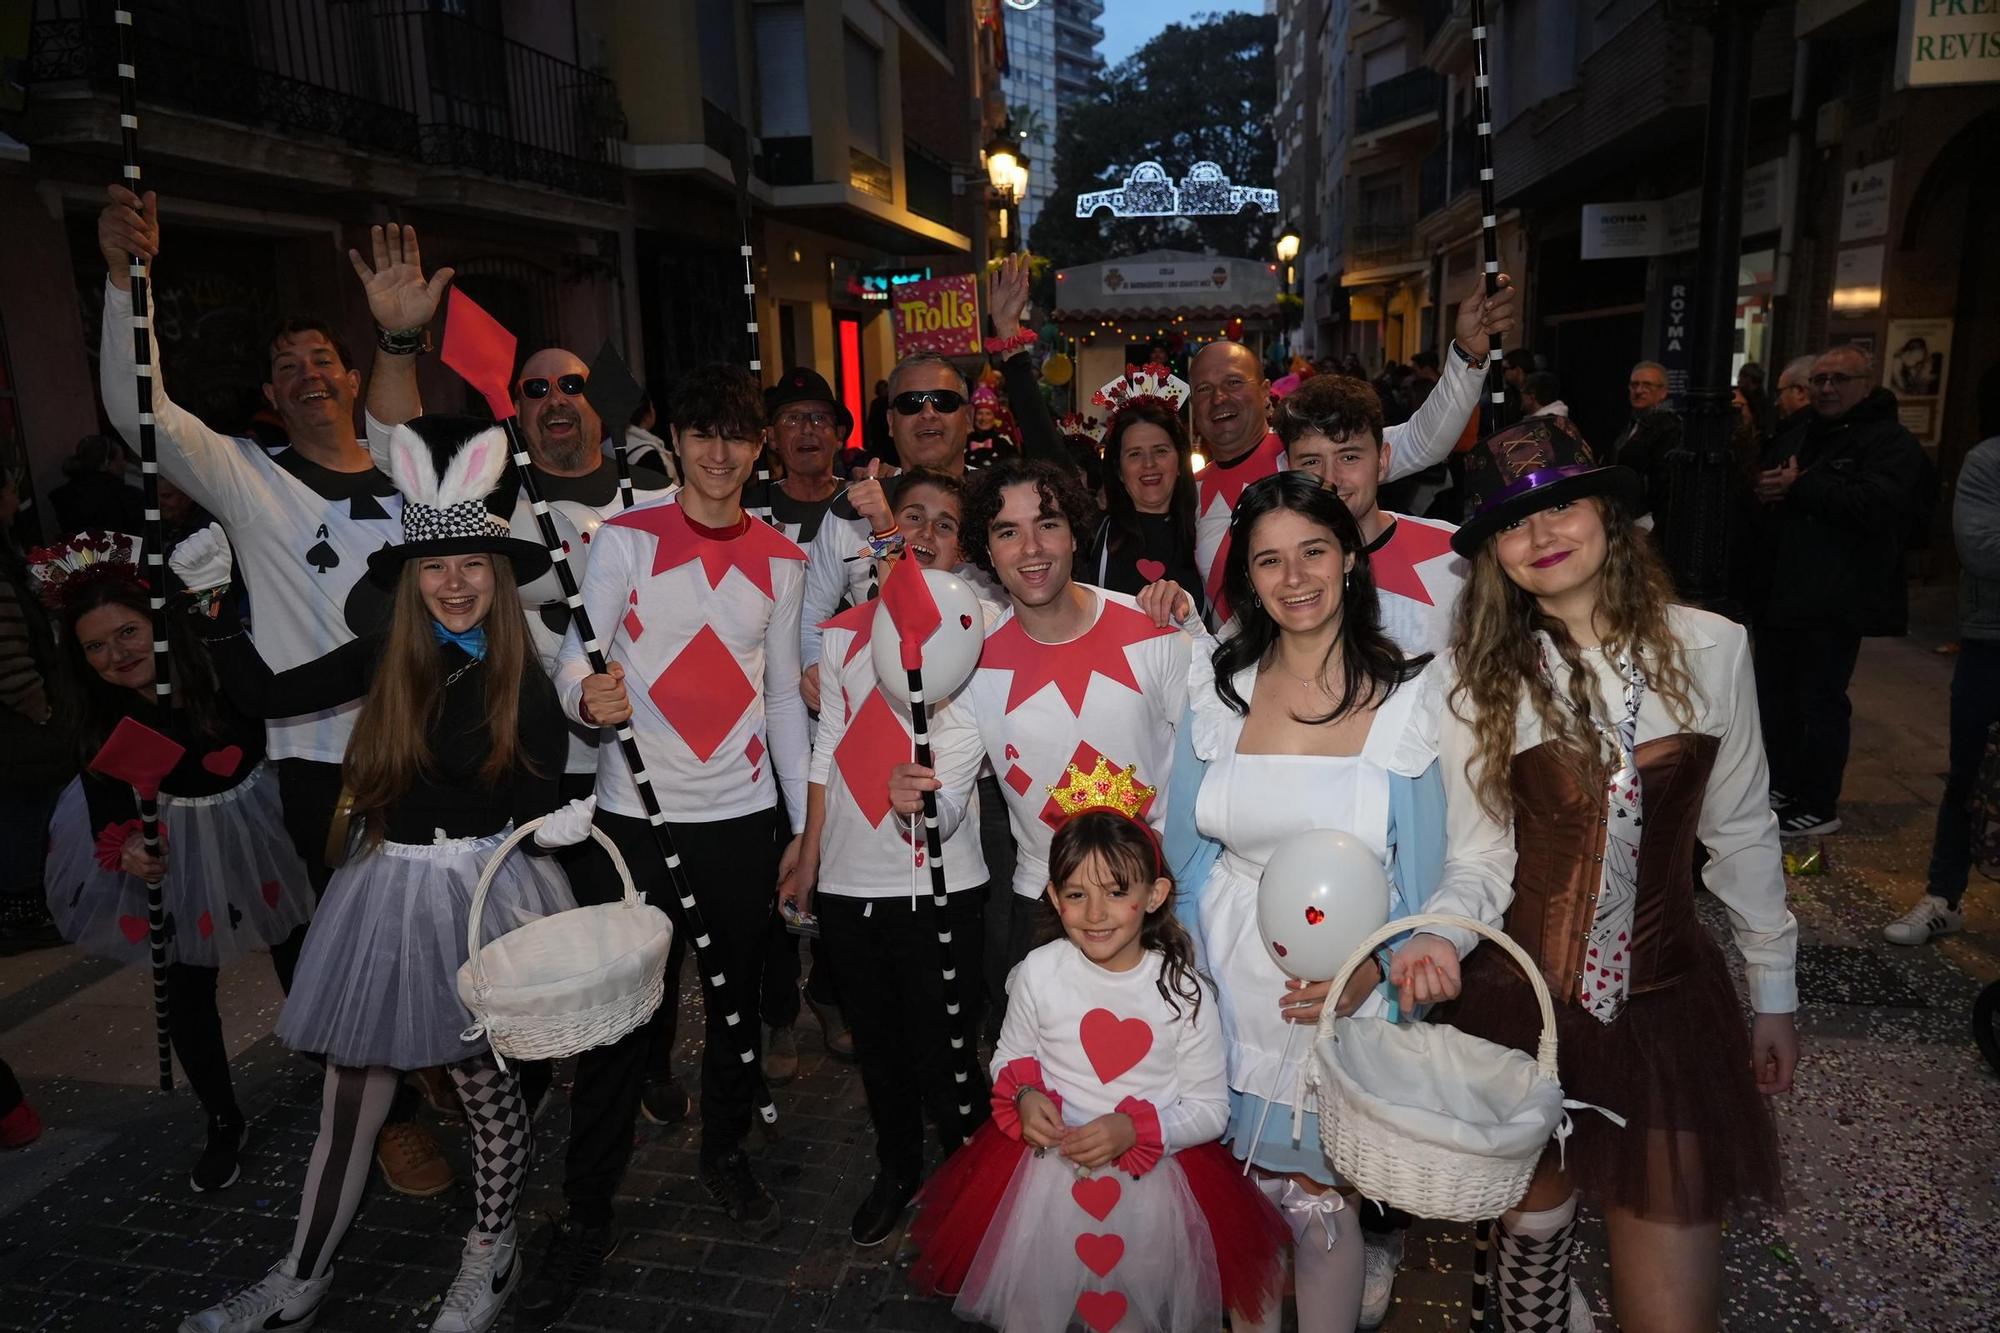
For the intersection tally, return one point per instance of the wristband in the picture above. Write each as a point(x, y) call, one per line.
point(1471, 362)
point(1008, 346)
point(403, 342)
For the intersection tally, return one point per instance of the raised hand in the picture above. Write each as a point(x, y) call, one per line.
point(871, 501)
point(1482, 318)
point(126, 227)
point(398, 296)
point(1007, 295)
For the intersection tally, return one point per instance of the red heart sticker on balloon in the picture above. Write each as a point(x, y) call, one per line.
point(965, 622)
point(1151, 570)
point(1314, 916)
point(1100, 1254)
point(1102, 1310)
point(134, 929)
point(1097, 1195)
point(1280, 949)
point(1113, 1044)
point(223, 762)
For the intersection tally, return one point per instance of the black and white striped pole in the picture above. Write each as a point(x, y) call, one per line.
point(155, 540)
point(762, 492)
point(965, 1083)
point(715, 983)
point(1489, 217)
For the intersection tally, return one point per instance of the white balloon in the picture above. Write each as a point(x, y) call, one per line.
point(951, 651)
point(575, 522)
point(1323, 891)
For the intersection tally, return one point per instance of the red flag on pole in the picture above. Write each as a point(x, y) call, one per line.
point(481, 351)
point(912, 609)
point(138, 756)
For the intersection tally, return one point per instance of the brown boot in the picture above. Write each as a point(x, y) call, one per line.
point(439, 1094)
point(410, 1161)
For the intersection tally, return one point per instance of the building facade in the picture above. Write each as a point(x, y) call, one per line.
point(1051, 59)
point(591, 169)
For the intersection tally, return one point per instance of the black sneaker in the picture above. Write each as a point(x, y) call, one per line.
point(572, 1258)
point(664, 1103)
point(1796, 821)
point(875, 1220)
point(219, 1163)
point(742, 1195)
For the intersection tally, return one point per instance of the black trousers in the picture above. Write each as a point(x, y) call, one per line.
point(996, 845)
point(11, 1095)
point(885, 961)
point(731, 867)
point(1975, 706)
point(195, 1027)
point(1802, 679)
point(779, 1004)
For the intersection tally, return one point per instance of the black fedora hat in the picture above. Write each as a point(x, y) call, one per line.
point(458, 497)
point(802, 385)
point(1530, 466)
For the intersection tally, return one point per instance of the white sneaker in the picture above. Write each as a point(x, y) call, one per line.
point(278, 1300)
point(1581, 1320)
point(488, 1272)
point(1381, 1257)
point(1930, 918)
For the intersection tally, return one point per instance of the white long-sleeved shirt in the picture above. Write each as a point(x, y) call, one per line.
point(836, 572)
point(1424, 439)
point(708, 633)
point(1182, 1070)
point(1116, 690)
point(1417, 582)
point(1745, 869)
point(302, 534)
point(866, 850)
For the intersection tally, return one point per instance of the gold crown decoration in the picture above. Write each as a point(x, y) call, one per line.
point(1105, 787)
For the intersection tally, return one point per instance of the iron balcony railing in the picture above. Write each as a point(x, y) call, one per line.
point(1410, 94)
point(382, 75)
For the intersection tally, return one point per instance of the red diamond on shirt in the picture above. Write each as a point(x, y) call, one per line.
point(1018, 779)
point(874, 744)
point(703, 693)
point(754, 751)
point(634, 627)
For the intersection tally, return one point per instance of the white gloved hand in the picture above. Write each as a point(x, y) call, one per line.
point(567, 826)
point(203, 560)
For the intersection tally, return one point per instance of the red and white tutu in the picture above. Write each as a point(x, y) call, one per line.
point(1028, 1245)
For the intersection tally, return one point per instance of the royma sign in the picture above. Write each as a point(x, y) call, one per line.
point(1672, 226)
point(1946, 42)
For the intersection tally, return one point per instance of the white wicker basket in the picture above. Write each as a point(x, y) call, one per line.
point(569, 981)
point(1427, 1118)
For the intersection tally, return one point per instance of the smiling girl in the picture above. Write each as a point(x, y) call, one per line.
point(1097, 1192)
point(229, 878)
point(1593, 735)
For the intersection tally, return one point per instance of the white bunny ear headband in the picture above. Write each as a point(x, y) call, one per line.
point(452, 506)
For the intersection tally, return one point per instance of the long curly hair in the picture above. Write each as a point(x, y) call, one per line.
point(1370, 665)
point(1497, 657)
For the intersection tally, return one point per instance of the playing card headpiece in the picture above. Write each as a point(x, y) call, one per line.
point(458, 497)
point(1077, 427)
point(1139, 383)
point(64, 570)
point(1109, 789)
point(1531, 466)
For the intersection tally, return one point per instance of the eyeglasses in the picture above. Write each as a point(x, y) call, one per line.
point(1831, 379)
point(806, 420)
point(539, 387)
point(946, 401)
point(1645, 384)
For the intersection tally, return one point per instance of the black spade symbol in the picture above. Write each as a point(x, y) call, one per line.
point(167, 931)
point(323, 557)
point(235, 916)
point(555, 615)
point(365, 506)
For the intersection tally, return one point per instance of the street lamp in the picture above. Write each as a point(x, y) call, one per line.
point(1007, 170)
point(1288, 246)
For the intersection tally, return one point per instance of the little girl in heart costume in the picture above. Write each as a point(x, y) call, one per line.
point(1097, 1195)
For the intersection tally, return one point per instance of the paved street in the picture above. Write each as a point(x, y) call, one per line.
point(1891, 1138)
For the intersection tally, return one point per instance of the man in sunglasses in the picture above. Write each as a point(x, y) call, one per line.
point(1854, 492)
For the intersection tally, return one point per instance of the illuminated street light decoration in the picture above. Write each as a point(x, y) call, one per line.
point(1150, 193)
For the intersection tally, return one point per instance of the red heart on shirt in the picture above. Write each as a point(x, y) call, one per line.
point(1096, 1195)
point(1314, 916)
point(133, 928)
point(223, 762)
point(1113, 1044)
point(1151, 570)
point(1101, 1309)
point(271, 889)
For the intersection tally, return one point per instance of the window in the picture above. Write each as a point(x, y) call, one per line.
point(864, 94)
point(784, 109)
point(715, 34)
point(1381, 66)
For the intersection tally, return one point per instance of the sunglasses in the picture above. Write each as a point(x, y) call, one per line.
point(539, 387)
point(946, 401)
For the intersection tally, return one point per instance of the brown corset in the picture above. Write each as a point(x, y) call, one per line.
point(1559, 836)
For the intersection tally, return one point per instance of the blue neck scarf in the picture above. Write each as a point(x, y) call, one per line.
point(472, 643)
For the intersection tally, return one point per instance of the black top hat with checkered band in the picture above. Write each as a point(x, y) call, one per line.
point(458, 494)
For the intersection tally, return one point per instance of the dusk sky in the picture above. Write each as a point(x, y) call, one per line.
point(1128, 23)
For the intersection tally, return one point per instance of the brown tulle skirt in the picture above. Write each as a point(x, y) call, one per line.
point(1699, 1142)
